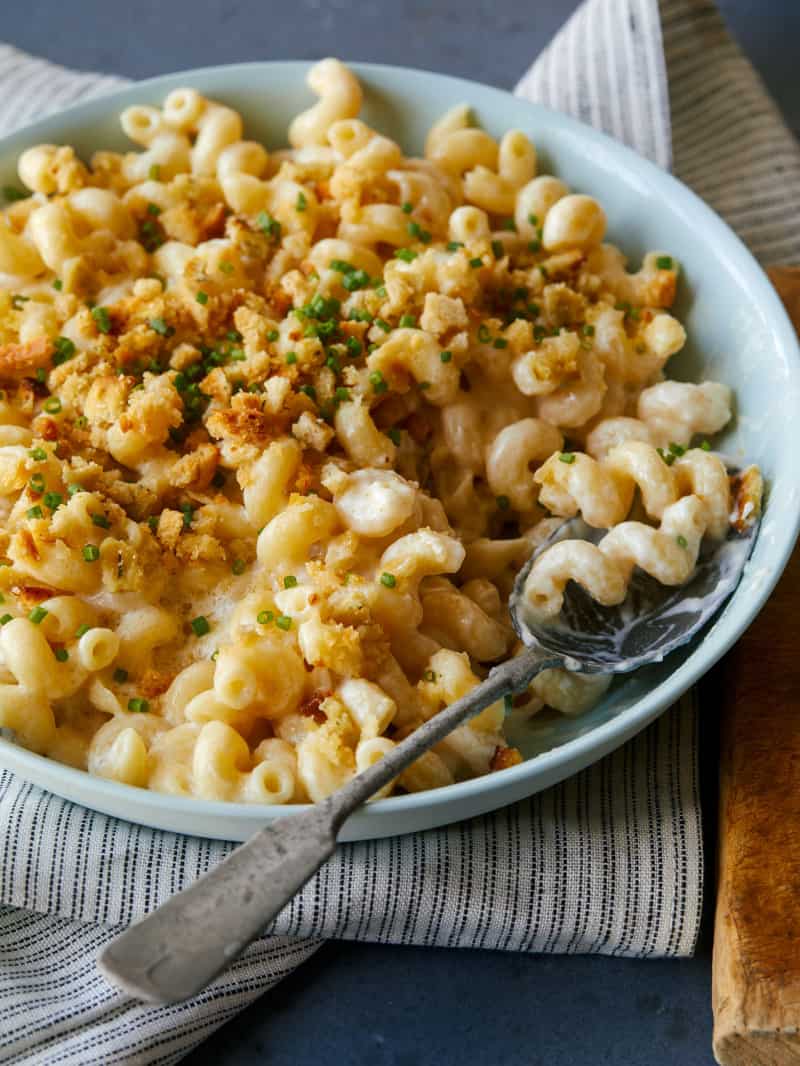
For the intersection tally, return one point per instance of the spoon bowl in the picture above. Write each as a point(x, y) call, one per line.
point(651, 622)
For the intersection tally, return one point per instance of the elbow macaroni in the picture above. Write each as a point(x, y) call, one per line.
point(278, 429)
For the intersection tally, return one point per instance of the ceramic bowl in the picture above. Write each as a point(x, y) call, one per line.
point(738, 333)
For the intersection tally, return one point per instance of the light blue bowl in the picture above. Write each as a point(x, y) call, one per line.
point(739, 334)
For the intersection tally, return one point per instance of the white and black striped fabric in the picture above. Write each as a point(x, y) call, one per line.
point(609, 862)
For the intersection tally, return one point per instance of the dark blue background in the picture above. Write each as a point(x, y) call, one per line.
point(359, 1004)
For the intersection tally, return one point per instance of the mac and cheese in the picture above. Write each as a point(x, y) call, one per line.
point(278, 428)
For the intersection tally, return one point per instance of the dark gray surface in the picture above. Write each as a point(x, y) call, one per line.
point(357, 1004)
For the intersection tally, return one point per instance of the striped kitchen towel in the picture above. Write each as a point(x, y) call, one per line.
point(608, 862)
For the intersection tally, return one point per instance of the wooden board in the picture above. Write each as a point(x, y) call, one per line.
point(756, 970)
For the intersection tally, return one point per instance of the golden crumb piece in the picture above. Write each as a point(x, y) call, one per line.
point(23, 360)
point(170, 527)
point(503, 758)
point(747, 491)
point(195, 469)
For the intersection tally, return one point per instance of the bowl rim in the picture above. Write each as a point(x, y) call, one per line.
point(607, 735)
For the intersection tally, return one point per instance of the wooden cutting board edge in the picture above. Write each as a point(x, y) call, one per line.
point(756, 963)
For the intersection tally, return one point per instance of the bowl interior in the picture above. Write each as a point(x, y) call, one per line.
point(738, 334)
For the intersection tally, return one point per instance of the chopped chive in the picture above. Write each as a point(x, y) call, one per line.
point(64, 350)
point(357, 279)
point(291, 358)
point(476, 262)
point(664, 262)
point(82, 630)
point(238, 566)
point(587, 331)
point(52, 405)
point(61, 654)
point(429, 675)
point(81, 422)
point(484, 336)
point(453, 246)
point(309, 391)
point(120, 675)
point(6, 619)
point(37, 483)
point(394, 436)
point(359, 315)
point(417, 231)
point(269, 225)
point(73, 488)
point(407, 208)
point(11, 194)
point(101, 521)
point(503, 503)
point(668, 457)
point(283, 622)
point(265, 617)
point(200, 625)
point(161, 327)
point(677, 449)
point(705, 445)
point(378, 382)
point(407, 322)
point(91, 553)
point(406, 254)
point(534, 246)
point(138, 705)
point(381, 323)
point(53, 500)
point(567, 457)
point(35, 512)
point(290, 581)
point(301, 203)
point(498, 251)
point(341, 395)
point(102, 319)
point(153, 209)
point(508, 703)
point(226, 267)
point(201, 297)
point(41, 376)
point(500, 342)
point(533, 219)
point(273, 335)
point(445, 356)
point(682, 541)
point(38, 614)
point(389, 580)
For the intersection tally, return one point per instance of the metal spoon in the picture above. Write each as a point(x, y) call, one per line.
point(177, 950)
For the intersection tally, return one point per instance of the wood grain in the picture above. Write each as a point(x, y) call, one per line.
point(756, 969)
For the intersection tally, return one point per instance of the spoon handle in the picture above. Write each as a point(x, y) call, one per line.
point(177, 950)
